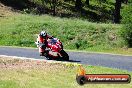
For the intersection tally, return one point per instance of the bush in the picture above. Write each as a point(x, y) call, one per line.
point(127, 21)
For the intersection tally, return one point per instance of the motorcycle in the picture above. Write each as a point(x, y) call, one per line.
point(52, 49)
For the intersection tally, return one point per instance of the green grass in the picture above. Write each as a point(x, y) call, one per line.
point(40, 74)
point(75, 33)
point(21, 30)
point(116, 51)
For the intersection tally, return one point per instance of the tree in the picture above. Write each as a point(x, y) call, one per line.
point(127, 21)
point(117, 11)
point(125, 1)
point(54, 6)
point(78, 4)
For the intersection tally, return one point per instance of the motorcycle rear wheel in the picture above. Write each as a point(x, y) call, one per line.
point(65, 56)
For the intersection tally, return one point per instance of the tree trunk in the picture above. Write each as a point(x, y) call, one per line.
point(54, 7)
point(87, 2)
point(78, 4)
point(125, 1)
point(117, 11)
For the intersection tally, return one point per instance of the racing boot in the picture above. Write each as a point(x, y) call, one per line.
point(46, 54)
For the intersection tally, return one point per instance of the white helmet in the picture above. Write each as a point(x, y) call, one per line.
point(43, 34)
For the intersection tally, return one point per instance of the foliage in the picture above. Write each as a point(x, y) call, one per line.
point(127, 21)
point(97, 10)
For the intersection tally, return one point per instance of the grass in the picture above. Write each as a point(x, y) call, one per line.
point(21, 30)
point(16, 73)
point(117, 51)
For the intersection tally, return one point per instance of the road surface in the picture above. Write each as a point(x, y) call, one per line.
point(107, 60)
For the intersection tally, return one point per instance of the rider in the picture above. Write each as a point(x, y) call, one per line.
point(45, 35)
point(42, 39)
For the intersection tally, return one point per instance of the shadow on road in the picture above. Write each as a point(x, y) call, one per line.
point(73, 61)
point(69, 60)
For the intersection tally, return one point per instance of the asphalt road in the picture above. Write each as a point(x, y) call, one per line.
point(107, 60)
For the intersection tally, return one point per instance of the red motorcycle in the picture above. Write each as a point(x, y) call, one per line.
point(52, 49)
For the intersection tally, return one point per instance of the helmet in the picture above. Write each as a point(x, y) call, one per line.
point(43, 34)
